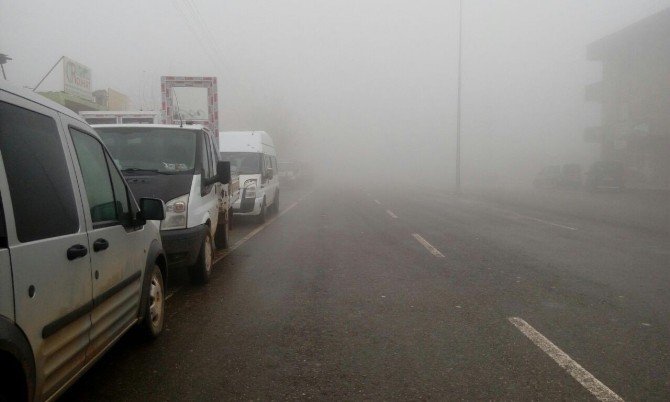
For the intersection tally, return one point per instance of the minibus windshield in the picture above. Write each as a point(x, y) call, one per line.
point(243, 162)
point(158, 150)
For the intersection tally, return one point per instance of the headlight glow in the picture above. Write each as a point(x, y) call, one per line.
point(176, 211)
point(250, 188)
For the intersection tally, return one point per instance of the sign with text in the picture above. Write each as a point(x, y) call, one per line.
point(77, 79)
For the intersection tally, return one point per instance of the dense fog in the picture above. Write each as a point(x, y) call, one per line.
point(365, 90)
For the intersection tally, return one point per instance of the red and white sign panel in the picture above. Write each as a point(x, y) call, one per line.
point(193, 99)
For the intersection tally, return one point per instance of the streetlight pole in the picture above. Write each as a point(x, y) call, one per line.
point(458, 107)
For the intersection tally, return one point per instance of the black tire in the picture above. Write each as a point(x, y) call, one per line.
point(153, 316)
point(262, 216)
point(202, 270)
point(13, 385)
point(275, 205)
point(222, 231)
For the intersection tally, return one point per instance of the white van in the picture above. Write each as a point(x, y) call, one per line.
point(80, 261)
point(179, 165)
point(252, 156)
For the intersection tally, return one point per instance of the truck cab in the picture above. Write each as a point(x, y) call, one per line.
point(179, 165)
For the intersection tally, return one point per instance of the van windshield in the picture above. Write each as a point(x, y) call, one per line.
point(243, 162)
point(158, 150)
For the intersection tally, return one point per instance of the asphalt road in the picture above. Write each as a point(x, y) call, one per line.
point(357, 293)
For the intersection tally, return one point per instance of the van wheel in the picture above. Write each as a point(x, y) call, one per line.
point(154, 310)
point(275, 205)
point(222, 231)
point(202, 270)
point(262, 216)
point(13, 384)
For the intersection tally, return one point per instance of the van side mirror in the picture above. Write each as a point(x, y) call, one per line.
point(223, 172)
point(151, 209)
point(270, 173)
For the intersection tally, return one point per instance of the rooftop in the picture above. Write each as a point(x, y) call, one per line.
point(651, 33)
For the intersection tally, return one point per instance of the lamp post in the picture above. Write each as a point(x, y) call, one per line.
point(4, 59)
point(458, 107)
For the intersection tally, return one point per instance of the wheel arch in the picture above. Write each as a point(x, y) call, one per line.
point(155, 256)
point(16, 356)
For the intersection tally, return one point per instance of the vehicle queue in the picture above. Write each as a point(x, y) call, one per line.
point(93, 219)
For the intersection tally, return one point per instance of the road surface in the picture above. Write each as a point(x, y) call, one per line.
point(355, 293)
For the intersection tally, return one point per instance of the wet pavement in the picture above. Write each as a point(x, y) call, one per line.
point(342, 296)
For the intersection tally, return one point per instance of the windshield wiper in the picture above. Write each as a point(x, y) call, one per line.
point(147, 170)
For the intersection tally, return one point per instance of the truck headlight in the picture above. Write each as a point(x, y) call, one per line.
point(250, 188)
point(176, 211)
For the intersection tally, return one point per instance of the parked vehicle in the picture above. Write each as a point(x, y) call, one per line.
point(181, 166)
point(80, 261)
point(571, 175)
point(252, 155)
point(121, 117)
point(566, 176)
point(605, 175)
point(289, 172)
point(549, 177)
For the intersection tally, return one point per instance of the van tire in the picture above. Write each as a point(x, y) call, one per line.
point(153, 315)
point(222, 231)
point(275, 204)
point(262, 216)
point(13, 386)
point(202, 270)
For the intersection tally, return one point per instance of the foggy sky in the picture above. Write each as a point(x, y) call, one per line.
point(359, 86)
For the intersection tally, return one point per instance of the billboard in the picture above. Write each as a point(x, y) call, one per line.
point(191, 99)
point(77, 79)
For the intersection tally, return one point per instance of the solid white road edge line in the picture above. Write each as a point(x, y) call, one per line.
point(378, 203)
point(394, 216)
point(516, 215)
point(579, 373)
point(251, 234)
point(547, 222)
point(427, 245)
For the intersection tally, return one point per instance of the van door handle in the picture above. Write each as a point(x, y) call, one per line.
point(100, 244)
point(76, 251)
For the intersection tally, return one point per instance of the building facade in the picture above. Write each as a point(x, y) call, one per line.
point(635, 98)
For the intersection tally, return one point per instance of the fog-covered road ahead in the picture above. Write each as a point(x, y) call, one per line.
point(355, 293)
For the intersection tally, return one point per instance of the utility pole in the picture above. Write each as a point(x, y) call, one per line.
point(458, 107)
point(4, 59)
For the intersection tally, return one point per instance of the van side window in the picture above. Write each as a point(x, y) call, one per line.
point(39, 182)
point(213, 154)
point(123, 212)
point(205, 158)
point(96, 176)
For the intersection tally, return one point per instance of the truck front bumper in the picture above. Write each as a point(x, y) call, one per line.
point(182, 246)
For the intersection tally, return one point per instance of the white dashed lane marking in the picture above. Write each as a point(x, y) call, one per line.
point(427, 245)
point(579, 373)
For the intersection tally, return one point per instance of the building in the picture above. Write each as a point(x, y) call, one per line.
point(69, 84)
point(635, 98)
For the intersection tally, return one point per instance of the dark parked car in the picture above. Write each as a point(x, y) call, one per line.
point(605, 175)
point(571, 175)
point(549, 177)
